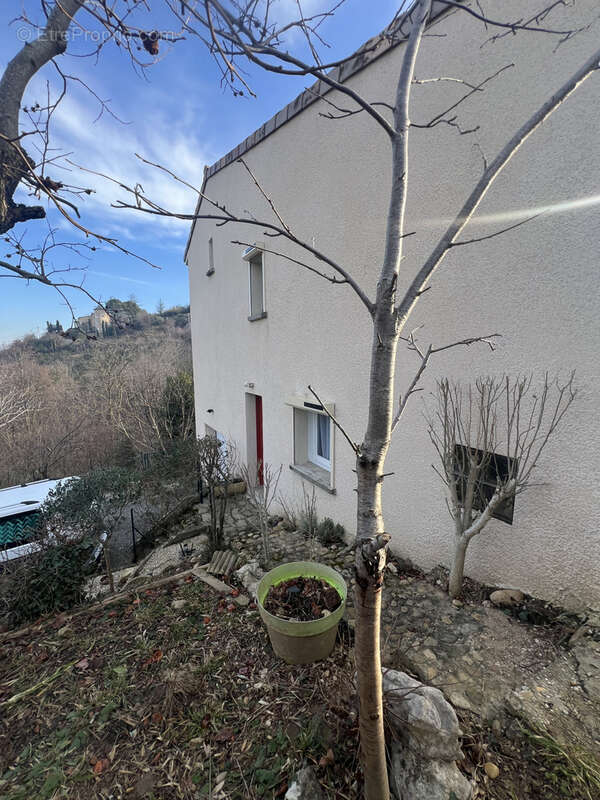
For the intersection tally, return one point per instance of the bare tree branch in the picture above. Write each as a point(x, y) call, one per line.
point(352, 444)
point(425, 356)
point(491, 173)
point(478, 88)
point(225, 216)
point(512, 27)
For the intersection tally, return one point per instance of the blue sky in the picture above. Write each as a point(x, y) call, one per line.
point(176, 114)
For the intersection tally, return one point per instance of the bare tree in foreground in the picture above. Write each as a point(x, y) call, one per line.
point(244, 31)
point(489, 437)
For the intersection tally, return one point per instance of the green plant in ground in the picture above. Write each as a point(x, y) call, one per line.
point(330, 532)
point(46, 773)
point(307, 519)
point(52, 579)
point(270, 761)
point(310, 741)
point(91, 507)
point(571, 773)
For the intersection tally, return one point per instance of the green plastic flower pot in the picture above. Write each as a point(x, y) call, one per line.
point(302, 642)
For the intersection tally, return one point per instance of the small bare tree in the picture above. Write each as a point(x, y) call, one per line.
point(260, 497)
point(471, 427)
point(216, 468)
point(302, 516)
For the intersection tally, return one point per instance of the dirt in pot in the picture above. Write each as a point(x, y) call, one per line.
point(302, 599)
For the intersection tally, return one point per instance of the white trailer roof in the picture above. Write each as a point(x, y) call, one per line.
point(26, 497)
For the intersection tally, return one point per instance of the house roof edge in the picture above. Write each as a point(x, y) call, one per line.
point(367, 53)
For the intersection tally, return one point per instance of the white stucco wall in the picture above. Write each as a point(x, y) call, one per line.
point(536, 285)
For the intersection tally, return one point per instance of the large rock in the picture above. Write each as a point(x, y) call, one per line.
point(422, 718)
point(249, 576)
point(426, 742)
point(415, 778)
point(305, 786)
point(507, 597)
point(587, 655)
point(190, 533)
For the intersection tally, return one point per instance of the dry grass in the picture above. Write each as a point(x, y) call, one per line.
point(532, 765)
point(144, 701)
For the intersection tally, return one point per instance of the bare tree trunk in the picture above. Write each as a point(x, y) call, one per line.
point(214, 524)
point(109, 573)
point(458, 567)
point(371, 539)
point(368, 664)
point(370, 560)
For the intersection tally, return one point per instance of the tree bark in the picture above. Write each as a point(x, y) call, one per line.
point(14, 161)
point(371, 543)
point(368, 663)
point(458, 567)
point(370, 559)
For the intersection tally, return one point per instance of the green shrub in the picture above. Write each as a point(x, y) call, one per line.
point(330, 532)
point(307, 523)
point(47, 581)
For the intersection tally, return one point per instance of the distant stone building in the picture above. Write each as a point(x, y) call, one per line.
point(94, 322)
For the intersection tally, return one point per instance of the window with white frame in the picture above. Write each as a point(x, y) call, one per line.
point(319, 440)
point(313, 443)
point(256, 283)
point(256, 278)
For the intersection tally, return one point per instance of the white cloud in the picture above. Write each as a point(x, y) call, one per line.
point(107, 146)
point(118, 277)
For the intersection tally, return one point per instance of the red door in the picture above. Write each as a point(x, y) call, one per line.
point(259, 438)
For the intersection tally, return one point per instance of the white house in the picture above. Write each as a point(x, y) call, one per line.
point(263, 329)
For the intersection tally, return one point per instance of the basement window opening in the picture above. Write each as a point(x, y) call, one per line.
point(494, 468)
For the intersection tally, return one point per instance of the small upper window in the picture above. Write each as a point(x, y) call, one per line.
point(257, 304)
point(256, 283)
point(211, 258)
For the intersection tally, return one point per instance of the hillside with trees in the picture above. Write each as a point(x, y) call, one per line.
point(75, 400)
